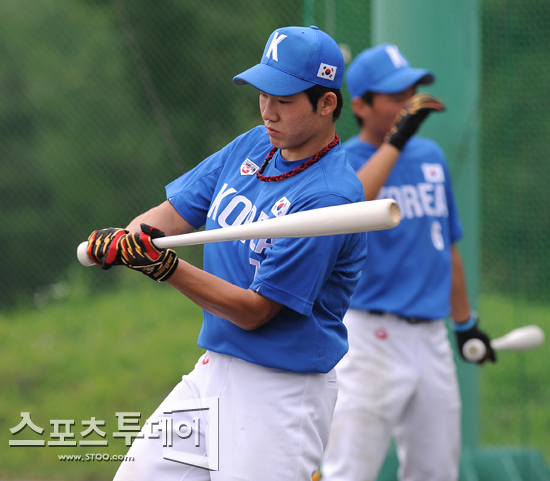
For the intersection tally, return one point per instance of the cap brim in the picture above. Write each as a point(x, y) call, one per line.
point(403, 79)
point(272, 81)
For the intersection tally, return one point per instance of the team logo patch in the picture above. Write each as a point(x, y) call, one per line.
point(395, 56)
point(381, 333)
point(281, 207)
point(248, 167)
point(272, 50)
point(205, 360)
point(327, 71)
point(433, 172)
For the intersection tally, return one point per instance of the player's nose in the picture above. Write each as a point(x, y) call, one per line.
point(268, 109)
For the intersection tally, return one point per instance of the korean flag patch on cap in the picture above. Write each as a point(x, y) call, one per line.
point(327, 71)
point(281, 207)
point(248, 167)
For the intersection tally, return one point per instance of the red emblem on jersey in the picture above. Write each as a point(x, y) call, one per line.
point(205, 360)
point(381, 333)
point(248, 167)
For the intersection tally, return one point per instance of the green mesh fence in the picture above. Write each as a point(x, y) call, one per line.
point(515, 145)
point(515, 227)
point(102, 103)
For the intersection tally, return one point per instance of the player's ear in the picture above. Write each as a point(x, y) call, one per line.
point(328, 103)
point(360, 108)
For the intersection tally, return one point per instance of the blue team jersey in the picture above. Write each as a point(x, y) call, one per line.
point(312, 277)
point(408, 269)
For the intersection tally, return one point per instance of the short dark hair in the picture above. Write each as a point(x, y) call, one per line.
point(317, 91)
point(367, 98)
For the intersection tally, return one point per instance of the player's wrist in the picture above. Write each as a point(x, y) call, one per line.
point(465, 326)
point(396, 139)
point(390, 148)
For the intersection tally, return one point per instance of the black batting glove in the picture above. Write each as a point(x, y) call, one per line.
point(470, 330)
point(138, 252)
point(410, 118)
point(103, 246)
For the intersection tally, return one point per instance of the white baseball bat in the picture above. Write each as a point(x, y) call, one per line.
point(342, 219)
point(520, 339)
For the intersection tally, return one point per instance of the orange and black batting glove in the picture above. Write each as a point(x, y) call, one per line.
point(138, 252)
point(411, 116)
point(103, 246)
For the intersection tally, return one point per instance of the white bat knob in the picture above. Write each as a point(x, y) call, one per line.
point(82, 254)
point(474, 350)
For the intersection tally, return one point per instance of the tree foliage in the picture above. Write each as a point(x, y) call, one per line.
point(102, 103)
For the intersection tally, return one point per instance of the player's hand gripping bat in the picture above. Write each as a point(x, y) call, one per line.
point(342, 219)
point(523, 338)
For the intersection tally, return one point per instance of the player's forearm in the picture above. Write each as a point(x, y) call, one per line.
point(460, 307)
point(163, 217)
point(375, 172)
point(243, 307)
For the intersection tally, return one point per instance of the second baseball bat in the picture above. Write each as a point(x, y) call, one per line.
point(342, 219)
point(520, 339)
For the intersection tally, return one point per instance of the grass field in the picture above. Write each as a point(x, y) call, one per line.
point(515, 392)
point(123, 351)
point(78, 359)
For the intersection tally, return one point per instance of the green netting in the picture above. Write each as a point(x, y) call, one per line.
point(515, 141)
point(515, 227)
point(104, 102)
point(515, 148)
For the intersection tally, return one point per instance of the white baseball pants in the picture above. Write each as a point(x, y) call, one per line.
point(399, 380)
point(273, 425)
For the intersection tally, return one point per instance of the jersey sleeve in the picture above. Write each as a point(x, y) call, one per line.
point(192, 193)
point(295, 270)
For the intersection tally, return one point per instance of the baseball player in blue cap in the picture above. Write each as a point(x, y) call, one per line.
point(398, 378)
point(273, 309)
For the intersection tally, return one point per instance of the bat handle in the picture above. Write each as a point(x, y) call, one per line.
point(82, 254)
point(474, 350)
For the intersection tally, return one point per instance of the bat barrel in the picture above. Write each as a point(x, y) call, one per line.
point(520, 339)
point(342, 219)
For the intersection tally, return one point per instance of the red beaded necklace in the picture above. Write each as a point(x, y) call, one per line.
point(297, 170)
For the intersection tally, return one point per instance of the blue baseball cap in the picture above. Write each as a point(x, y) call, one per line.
point(295, 59)
point(383, 69)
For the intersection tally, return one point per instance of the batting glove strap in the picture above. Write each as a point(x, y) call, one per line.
point(103, 246)
point(465, 325)
point(139, 253)
point(410, 118)
point(475, 333)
